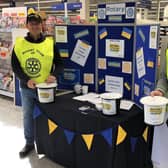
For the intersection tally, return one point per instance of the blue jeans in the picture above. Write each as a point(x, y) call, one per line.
point(27, 97)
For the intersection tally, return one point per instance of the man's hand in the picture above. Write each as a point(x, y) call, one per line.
point(51, 79)
point(157, 93)
point(31, 84)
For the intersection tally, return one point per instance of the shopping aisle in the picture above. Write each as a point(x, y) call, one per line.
point(11, 140)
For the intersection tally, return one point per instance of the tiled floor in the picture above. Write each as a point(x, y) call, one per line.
point(11, 140)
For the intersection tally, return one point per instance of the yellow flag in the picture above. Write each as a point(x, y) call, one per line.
point(52, 126)
point(145, 134)
point(121, 135)
point(88, 140)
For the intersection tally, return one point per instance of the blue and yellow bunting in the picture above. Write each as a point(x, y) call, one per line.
point(69, 135)
point(133, 143)
point(36, 112)
point(52, 126)
point(88, 138)
point(107, 134)
point(145, 134)
point(121, 135)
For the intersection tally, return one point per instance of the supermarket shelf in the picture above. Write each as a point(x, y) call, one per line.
point(6, 93)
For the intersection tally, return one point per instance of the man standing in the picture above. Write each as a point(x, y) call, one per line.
point(162, 84)
point(44, 19)
point(35, 59)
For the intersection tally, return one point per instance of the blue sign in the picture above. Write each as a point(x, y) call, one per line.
point(58, 6)
point(70, 6)
point(70, 77)
point(73, 6)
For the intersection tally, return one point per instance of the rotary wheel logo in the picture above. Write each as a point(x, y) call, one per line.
point(33, 66)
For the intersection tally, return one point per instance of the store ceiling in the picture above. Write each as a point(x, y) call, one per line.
point(45, 5)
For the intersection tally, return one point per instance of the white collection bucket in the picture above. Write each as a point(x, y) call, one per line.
point(154, 109)
point(110, 103)
point(46, 92)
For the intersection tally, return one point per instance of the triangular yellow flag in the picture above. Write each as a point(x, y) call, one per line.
point(121, 135)
point(52, 126)
point(88, 140)
point(145, 134)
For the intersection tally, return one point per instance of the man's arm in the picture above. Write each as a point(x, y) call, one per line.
point(162, 84)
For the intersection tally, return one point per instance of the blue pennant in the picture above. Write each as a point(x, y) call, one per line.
point(36, 112)
point(133, 143)
point(107, 134)
point(69, 135)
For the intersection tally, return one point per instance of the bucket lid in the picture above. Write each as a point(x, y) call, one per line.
point(46, 85)
point(154, 101)
point(111, 96)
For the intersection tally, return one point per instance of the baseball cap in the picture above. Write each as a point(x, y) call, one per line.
point(34, 17)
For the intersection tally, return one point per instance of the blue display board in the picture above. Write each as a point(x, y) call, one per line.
point(117, 12)
point(145, 60)
point(115, 59)
point(80, 45)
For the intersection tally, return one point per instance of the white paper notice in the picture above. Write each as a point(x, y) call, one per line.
point(126, 104)
point(140, 63)
point(81, 53)
point(153, 37)
point(90, 97)
point(115, 9)
point(115, 48)
point(114, 84)
point(61, 34)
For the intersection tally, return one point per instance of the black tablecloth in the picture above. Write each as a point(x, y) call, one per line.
point(65, 113)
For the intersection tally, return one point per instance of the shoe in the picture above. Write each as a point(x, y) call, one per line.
point(26, 150)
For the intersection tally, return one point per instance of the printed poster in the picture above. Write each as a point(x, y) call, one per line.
point(140, 63)
point(153, 37)
point(81, 53)
point(114, 84)
point(61, 34)
point(115, 48)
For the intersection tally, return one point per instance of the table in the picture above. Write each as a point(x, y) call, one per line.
point(90, 139)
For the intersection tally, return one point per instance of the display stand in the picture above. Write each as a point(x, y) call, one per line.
point(127, 52)
point(11, 18)
point(146, 60)
point(77, 47)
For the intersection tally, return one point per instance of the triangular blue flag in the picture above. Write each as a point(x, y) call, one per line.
point(107, 134)
point(133, 143)
point(69, 135)
point(36, 112)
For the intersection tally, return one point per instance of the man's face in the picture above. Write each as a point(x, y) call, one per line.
point(34, 28)
point(44, 26)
